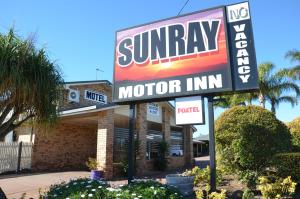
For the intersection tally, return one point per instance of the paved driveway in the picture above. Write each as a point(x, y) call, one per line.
point(15, 185)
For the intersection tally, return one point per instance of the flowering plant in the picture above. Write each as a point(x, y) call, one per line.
point(94, 189)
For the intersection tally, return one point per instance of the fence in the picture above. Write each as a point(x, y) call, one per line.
point(15, 156)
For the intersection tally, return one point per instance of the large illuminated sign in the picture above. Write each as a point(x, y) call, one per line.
point(184, 56)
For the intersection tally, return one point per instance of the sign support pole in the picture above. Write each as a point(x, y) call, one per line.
point(212, 154)
point(130, 142)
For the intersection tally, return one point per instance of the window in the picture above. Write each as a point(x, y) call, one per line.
point(176, 148)
point(153, 139)
point(120, 144)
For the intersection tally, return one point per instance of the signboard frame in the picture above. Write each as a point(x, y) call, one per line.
point(171, 97)
point(250, 48)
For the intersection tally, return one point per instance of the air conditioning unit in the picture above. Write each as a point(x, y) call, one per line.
point(73, 95)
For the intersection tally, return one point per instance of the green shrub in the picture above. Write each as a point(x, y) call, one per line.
point(161, 162)
point(249, 178)
point(199, 194)
point(248, 194)
point(216, 195)
point(288, 164)
point(276, 188)
point(247, 137)
point(294, 128)
point(213, 195)
point(202, 176)
point(92, 164)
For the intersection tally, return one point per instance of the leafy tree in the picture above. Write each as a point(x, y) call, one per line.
point(247, 137)
point(228, 101)
point(294, 56)
point(276, 87)
point(294, 127)
point(29, 84)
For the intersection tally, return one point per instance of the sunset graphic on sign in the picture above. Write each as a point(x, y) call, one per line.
point(177, 66)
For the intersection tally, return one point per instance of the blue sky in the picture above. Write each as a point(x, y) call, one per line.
point(80, 35)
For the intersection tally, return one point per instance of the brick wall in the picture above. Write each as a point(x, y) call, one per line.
point(67, 147)
point(176, 162)
point(105, 140)
point(141, 129)
point(188, 144)
point(166, 127)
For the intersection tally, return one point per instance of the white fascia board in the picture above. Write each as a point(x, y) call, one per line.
point(91, 110)
point(78, 110)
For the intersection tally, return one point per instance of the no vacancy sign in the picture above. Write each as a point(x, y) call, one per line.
point(189, 110)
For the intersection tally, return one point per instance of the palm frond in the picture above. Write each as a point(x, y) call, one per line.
point(286, 86)
point(287, 99)
point(293, 55)
point(265, 70)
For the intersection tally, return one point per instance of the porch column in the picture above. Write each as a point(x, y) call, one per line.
point(105, 139)
point(141, 128)
point(188, 144)
point(166, 127)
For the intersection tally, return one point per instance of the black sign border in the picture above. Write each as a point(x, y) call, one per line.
point(167, 98)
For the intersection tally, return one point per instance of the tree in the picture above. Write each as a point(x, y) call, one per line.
point(30, 84)
point(294, 55)
point(294, 127)
point(228, 101)
point(247, 137)
point(276, 87)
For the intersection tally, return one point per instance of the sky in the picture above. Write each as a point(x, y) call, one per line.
point(80, 35)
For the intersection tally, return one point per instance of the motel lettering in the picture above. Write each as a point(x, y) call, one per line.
point(170, 87)
point(169, 42)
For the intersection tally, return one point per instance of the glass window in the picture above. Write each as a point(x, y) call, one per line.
point(153, 139)
point(176, 147)
point(120, 144)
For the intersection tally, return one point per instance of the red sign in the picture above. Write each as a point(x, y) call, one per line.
point(179, 56)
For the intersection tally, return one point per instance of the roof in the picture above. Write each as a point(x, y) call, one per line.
point(202, 137)
point(88, 82)
point(87, 109)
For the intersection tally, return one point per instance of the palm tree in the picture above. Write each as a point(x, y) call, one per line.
point(29, 84)
point(226, 101)
point(294, 56)
point(273, 87)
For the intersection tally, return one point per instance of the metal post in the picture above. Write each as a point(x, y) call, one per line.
point(212, 154)
point(130, 143)
point(19, 157)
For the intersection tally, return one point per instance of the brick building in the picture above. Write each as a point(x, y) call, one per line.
point(90, 125)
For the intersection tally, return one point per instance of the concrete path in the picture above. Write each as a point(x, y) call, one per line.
point(15, 185)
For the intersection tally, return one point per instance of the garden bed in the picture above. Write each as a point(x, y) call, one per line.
point(94, 189)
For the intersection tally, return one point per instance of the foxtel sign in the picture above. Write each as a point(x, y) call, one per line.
point(199, 53)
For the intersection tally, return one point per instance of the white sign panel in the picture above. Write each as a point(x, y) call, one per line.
point(189, 110)
point(238, 12)
point(153, 109)
point(96, 97)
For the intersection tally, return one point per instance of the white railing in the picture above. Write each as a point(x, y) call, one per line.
point(15, 156)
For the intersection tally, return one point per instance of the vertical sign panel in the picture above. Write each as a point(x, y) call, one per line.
point(241, 44)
